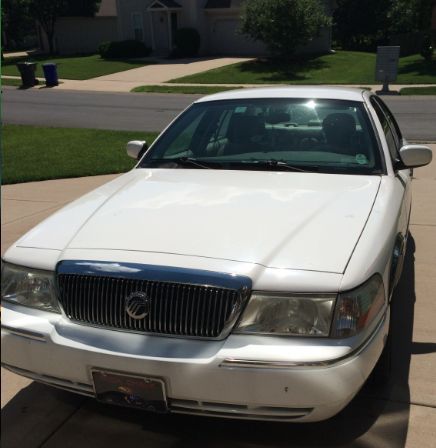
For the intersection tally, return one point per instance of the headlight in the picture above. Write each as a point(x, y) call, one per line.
point(356, 309)
point(285, 314)
point(29, 287)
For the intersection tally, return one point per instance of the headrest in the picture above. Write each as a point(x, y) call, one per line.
point(339, 123)
point(279, 117)
point(243, 127)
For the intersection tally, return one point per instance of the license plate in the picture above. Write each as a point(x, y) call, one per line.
point(131, 391)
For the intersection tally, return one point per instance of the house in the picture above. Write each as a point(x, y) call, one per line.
point(217, 21)
point(84, 34)
point(155, 22)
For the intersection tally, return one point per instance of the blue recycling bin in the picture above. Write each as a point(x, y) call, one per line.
point(50, 74)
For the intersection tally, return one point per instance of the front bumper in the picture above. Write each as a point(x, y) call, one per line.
point(265, 378)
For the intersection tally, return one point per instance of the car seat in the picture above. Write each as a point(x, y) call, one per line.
point(340, 133)
point(244, 134)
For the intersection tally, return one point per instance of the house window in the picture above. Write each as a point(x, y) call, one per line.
point(138, 30)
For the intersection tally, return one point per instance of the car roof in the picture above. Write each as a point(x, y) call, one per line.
point(337, 93)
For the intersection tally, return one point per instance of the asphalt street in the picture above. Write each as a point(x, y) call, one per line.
point(152, 112)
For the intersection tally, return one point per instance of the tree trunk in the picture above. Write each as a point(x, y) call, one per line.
point(51, 43)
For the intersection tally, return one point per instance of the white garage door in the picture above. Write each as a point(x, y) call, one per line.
point(225, 39)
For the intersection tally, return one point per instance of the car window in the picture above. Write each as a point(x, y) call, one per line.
point(183, 140)
point(392, 139)
point(391, 119)
point(308, 134)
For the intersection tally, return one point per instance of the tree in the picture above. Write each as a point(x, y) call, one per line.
point(413, 16)
point(361, 25)
point(283, 25)
point(404, 16)
point(425, 19)
point(17, 25)
point(47, 12)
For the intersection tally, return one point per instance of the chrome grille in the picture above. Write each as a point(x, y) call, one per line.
point(173, 308)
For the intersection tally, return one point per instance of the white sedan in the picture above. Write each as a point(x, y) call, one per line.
point(244, 268)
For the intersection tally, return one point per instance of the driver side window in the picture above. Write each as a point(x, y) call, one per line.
point(391, 139)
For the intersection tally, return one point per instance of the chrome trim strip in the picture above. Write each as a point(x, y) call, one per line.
point(168, 274)
point(258, 364)
point(228, 411)
point(25, 333)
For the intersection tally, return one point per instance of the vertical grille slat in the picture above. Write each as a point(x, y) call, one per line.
point(123, 311)
point(71, 296)
point(178, 309)
point(160, 303)
point(152, 314)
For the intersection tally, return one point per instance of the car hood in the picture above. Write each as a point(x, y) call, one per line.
point(304, 221)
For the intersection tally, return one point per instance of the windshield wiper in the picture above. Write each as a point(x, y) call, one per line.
point(273, 163)
point(192, 161)
point(187, 161)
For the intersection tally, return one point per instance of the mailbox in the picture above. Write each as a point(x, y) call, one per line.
point(387, 65)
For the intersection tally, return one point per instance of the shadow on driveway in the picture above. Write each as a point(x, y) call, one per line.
point(377, 417)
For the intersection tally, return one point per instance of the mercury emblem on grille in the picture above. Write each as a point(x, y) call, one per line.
point(137, 305)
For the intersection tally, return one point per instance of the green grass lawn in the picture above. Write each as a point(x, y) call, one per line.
point(182, 89)
point(343, 67)
point(37, 153)
point(418, 91)
point(11, 82)
point(74, 67)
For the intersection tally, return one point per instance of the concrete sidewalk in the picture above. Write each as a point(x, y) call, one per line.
point(116, 83)
point(403, 414)
point(162, 72)
point(149, 74)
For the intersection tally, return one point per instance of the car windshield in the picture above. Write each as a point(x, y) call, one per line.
point(270, 134)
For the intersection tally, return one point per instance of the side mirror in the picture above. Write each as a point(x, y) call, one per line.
point(136, 148)
point(414, 156)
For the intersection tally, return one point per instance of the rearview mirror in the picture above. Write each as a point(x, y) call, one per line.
point(414, 156)
point(136, 148)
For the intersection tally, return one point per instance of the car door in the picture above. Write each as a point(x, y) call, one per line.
point(403, 177)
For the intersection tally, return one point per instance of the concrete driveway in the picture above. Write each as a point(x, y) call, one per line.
point(400, 414)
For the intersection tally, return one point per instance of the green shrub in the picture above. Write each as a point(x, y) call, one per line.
point(427, 49)
point(123, 49)
point(284, 25)
point(187, 43)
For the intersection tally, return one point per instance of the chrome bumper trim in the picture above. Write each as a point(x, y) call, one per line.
point(259, 364)
point(24, 333)
point(251, 363)
point(238, 411)
point(245, 416)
